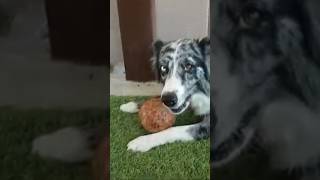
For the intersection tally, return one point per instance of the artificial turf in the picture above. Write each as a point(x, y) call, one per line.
point(187, 160)
point(17, 130)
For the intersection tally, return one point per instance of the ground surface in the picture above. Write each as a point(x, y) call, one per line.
point(17, 130)
point(172, 161)
point(178, 160)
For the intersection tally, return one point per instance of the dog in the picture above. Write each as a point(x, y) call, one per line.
point(183, 67)
point(266, 82)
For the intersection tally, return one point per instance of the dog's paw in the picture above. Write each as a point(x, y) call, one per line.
point(140, 144)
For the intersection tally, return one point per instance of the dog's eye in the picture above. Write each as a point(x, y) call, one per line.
point(188, 67)
point(250, 17)
point(163, 69)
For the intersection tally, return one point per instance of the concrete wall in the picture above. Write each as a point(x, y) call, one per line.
point(181, 19)
point(29, 76)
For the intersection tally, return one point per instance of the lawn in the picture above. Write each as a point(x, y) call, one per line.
point(172, 161)
point(17, 130)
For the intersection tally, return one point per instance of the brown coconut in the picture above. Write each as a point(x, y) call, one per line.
point(154, 116)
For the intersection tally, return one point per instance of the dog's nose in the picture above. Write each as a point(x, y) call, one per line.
point(169, 99)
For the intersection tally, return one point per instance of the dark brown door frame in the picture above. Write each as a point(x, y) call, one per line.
point(78, 30)
point(136, 20)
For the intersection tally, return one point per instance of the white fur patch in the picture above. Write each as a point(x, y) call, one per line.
point(176, 46)
point(147, 142)
point(174, 84)
point(130, 107)
point(200, 103)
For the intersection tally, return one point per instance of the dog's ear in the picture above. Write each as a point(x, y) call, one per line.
point(157, 45)
point(300, 42)
point(204, 45)
point(312, 26)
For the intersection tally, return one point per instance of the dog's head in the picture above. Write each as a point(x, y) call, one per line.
point(263, 49)
point(181, 66)
point(259, 35)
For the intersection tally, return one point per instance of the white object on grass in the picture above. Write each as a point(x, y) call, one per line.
point(130, 107)
point(69, 145)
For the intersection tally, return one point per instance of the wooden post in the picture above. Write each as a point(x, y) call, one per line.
point(136, 26)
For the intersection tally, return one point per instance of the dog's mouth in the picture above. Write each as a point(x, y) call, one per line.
point(182, 107)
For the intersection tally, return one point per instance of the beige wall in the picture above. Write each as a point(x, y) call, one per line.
point(174, 19)
point(181, 19)
point(115, 37)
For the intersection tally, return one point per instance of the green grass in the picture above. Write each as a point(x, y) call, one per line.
point(171, 161)
point(17, 130)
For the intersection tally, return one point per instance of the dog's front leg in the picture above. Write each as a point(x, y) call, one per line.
point(231, 147)
point(229, 141)
point(173, 134)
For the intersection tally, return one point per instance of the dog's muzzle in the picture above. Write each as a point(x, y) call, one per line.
point(169, 99)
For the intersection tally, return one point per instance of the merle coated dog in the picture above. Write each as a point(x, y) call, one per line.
point(266, 81)
point(183, 68)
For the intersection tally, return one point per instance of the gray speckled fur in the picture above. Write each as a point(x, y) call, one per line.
point(271, 63)
point(183, 68)
point(192, 51)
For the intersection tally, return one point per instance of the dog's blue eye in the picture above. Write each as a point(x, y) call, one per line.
point(163, 69)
